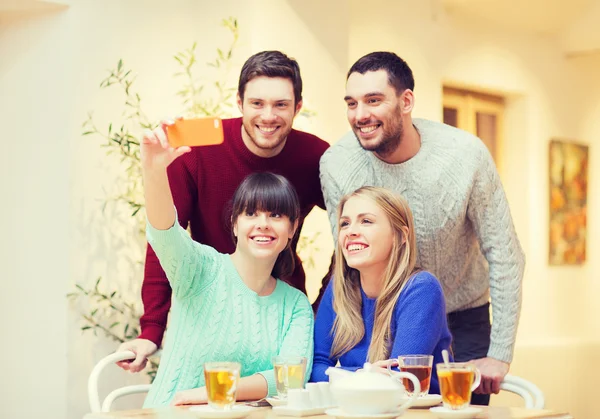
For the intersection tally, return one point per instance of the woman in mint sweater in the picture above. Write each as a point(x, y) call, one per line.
point(225, 307)
point(379, 305)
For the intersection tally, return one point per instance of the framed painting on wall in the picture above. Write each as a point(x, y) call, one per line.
point(568, 202)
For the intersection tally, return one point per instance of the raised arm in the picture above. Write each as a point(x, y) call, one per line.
point(156, 291)
point(156, 156)
point(187, 263)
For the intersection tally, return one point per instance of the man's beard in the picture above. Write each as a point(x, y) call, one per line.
point(390, 138)
point(249, 129)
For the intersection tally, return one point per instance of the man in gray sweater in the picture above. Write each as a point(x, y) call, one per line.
point(465, 234)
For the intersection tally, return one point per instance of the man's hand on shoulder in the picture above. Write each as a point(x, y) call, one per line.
point(142, 348)
point(493, 372)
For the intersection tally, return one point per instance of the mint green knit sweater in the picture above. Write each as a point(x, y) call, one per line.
point(216, 317)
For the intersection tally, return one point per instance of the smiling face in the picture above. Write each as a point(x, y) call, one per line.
point(268, 113)
point(263, 234)
point(265, 215)
point(374, 111)
point(366, 236)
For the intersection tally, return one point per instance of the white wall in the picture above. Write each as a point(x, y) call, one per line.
point(35, 215)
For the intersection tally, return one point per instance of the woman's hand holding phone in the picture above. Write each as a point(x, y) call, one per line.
point(155, 151)
point(156, 155)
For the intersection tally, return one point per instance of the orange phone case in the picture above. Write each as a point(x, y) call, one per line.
point(195, 132)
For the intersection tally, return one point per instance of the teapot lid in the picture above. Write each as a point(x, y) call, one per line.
point(367, 379)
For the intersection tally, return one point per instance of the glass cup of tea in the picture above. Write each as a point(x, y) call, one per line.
point(457, 381)
point(418, 365)
point(289, 373)
point(221, 380)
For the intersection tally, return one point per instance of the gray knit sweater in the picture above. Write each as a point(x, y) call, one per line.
point(464, 230)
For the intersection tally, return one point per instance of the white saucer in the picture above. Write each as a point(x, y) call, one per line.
point(276, 401)
point(339, 413)
point(466, 413)
point(237, 411)
point(426, 401)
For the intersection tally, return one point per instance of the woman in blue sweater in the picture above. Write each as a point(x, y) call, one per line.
point(378, 305)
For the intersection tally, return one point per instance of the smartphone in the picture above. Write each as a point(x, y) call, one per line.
point(195, 132)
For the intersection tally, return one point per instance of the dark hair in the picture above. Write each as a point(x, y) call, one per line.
point(400, 75)
point(270, 193)
point(271, 64)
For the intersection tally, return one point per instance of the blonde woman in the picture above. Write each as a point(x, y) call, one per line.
point(379, 305)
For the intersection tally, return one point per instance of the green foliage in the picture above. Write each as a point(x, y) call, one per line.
point(118, 138)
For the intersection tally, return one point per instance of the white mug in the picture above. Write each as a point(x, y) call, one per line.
point(298, 398)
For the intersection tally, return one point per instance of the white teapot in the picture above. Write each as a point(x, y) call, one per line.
point(369, 392)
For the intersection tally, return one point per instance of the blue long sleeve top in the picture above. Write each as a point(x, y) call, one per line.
point(419, 326)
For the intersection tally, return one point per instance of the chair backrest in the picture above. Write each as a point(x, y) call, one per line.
point(94, 397)
point(533, 396)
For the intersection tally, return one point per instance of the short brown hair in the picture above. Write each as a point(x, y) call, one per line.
point(271, 64)
point(400, 75)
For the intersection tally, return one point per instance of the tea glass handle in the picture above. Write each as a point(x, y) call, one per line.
point(416, 387)
point(389, 366)
point(477, 380)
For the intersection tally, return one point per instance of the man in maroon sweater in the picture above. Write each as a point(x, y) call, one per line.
point(204, 180)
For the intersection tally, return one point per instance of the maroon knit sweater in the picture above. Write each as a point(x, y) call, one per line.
point(203, 183)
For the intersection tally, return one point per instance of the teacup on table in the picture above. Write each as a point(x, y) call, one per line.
point(457, 381)
point(289, 373)
point(221, 380)
point(420, 367)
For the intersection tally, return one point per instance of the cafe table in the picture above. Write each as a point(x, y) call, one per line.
point(267, 413)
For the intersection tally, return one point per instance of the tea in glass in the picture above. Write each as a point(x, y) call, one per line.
point(457, 381)
point(420, 367)
point(289, 373)
point(221, 383)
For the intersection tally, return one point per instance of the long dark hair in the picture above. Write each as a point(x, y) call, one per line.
point(265, 191)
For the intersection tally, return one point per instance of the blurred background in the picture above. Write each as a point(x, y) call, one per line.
point(524, 76)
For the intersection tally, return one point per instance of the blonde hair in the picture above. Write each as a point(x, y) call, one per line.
point(348, 328)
